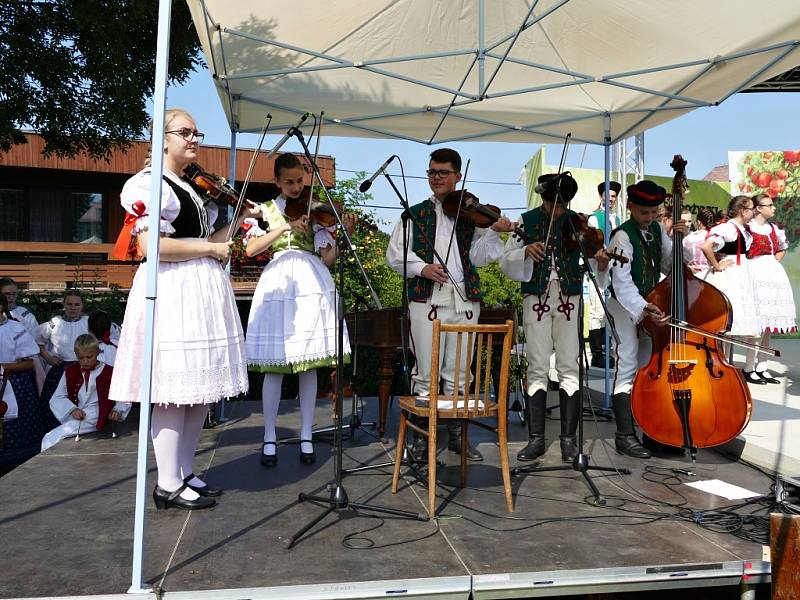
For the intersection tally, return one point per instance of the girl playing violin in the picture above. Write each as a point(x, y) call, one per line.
point(292, 323)
point(199, 345)
point(551, 282)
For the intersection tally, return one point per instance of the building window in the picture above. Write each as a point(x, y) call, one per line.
point(87, 218)
point(13, 216)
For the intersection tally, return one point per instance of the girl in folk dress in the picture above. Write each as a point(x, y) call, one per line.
point(693, 242)
point(726, 251)
point(22, 428)
point(198, 340)
point(292, 323)
point(773, 289)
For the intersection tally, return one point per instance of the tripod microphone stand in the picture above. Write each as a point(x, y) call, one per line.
point(338, 499)
point(581, 462)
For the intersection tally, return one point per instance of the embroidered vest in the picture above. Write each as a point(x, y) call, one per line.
point(567, 263)
point(192, 220)
point(103, 382)
point(763, 244)
point(600, 215)
point(419, 288)
point(646, 260)
point(275, 220)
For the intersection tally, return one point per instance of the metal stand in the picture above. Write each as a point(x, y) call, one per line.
point(338, 499)
point(581, 462)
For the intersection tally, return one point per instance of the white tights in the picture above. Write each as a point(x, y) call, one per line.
point(176, 431)
point(271, 397)
point(751, 356)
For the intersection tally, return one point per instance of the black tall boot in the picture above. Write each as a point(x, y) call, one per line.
point(535, 407)
point(570, 413)
point(625, 439)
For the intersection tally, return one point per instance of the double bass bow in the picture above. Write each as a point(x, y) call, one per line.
point(688, 395)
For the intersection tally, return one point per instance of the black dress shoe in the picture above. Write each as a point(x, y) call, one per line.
point(753, 377)
point(165, 499)
point(454, 446)
point(629, 445)
point(535, 448)
point(204, 490)
point(569, 448)
point(766, 377)
point(307, 458)
point(269, 460)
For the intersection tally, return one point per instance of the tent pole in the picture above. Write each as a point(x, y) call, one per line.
point(607, 207)
point(153, 238)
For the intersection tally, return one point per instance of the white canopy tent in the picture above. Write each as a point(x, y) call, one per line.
point(511, 70)
point(483, 70)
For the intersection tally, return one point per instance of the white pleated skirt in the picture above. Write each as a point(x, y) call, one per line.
point(773, 294)
point(198, 349)
point(292, 325)
point(737, 284)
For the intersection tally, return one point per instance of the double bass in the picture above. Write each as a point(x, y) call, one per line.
point(688, 395)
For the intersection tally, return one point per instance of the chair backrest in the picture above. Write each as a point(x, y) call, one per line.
point(478, 344)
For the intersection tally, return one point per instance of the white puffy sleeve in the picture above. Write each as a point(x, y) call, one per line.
point(135, 199)
point(251, 230)
point(323, 236)
point(722, 233)
point(24, 344)
point(514, 263)
point(783, 244)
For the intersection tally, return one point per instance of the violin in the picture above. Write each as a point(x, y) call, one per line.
point(482, 215)
point(318, 212)
point(212, 186)
point(591, 238)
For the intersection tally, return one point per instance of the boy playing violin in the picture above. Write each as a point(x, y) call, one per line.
point(552, 281)
point(645, 241)
point(430, 290)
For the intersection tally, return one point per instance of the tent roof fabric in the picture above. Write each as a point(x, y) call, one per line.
point(488, 70)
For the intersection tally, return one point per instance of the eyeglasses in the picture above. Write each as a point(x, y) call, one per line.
point(440, 173)
point(765, 206)
point(187, 134)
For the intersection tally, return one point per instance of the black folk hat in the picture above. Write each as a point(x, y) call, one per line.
point(646, 193)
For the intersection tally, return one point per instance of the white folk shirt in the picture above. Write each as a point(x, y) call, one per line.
point(15, 344)
point(487, 247)
point(59, 335)
point(625, 291)
point(24, 316)
point(729, 232)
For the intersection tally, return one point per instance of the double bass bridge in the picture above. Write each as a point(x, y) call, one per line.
point(680, 370)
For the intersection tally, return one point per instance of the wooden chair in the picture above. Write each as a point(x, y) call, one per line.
point(474, 402)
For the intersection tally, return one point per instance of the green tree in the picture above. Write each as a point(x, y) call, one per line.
point(81, 71)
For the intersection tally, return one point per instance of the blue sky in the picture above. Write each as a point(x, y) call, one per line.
point(703, 137)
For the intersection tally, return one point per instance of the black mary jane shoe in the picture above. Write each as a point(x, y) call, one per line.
point(269, 460)
point(307, 458)
point(753, 377)
point(205, 490)
point(165, 499)
point(766, 378)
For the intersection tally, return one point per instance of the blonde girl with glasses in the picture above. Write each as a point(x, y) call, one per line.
point(773, 289)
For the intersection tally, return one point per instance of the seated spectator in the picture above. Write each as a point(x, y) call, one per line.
point(9, 288)
point(57, 340)
point(22, 430)
point(80, 401)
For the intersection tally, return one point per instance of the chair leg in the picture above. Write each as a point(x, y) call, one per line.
point(431, 469)
point(503, 439)
point(464, 446)
point(401, 444)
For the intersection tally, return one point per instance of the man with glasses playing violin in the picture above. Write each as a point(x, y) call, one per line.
point(551, 283)
point(431, 292)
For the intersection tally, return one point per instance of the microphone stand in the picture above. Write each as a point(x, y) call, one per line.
point(581, 462)
point(338, 499)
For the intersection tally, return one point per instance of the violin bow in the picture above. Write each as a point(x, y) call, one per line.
point(684, 326)
point(453, 231)
point(238, 209)
point(316, 154)
point(558, 193)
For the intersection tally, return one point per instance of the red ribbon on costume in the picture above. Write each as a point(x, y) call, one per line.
point(125, 247)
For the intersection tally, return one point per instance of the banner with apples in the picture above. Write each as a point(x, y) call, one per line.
point(777, 173)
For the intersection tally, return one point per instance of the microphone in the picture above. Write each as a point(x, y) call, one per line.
point(562, 185)
point(549, 184)
point(287, 135)
point(367, 183)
